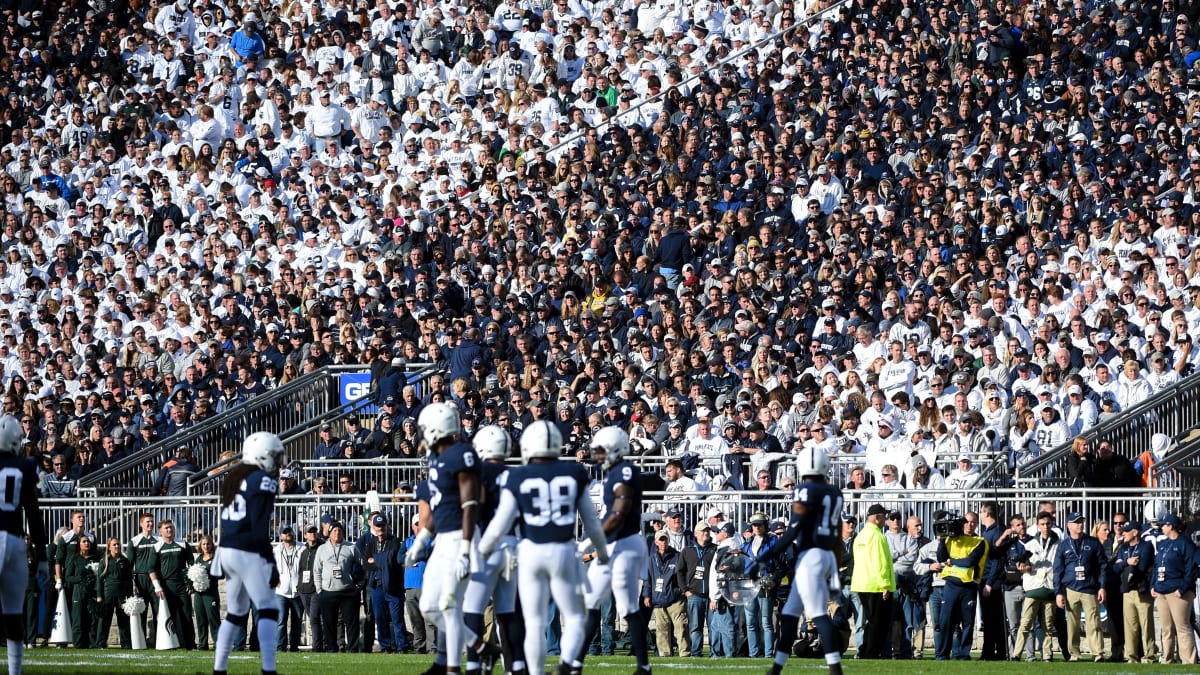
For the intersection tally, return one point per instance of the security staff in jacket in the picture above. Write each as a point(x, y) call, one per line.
point(1133, 564)
point(1080, 572)
point(662, 592)
point(383, 558)
point(306, 588)
point(874, 581)
point(1173, 588)
point(336, 590)
point(964, 555)
point(991, 591)
point(696, 558)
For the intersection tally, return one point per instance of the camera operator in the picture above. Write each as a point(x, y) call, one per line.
point(1079, 577)
point(964, 555)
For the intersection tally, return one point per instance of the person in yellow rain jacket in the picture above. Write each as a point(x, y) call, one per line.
point(874, 580)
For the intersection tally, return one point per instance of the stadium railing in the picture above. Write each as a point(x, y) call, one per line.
point(1173, 411)
point(301, 438)
point(302, 399)
point(117, 516)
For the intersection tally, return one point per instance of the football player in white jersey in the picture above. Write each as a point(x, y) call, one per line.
point(18, 507)
point(454, 498)
point(495, 578)
point(245, 557)
point(547, 496)
point(622, 522)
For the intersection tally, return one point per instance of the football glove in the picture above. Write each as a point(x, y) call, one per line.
point(462, 567)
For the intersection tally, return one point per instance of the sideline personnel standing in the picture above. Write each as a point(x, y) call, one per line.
point(1079, 575)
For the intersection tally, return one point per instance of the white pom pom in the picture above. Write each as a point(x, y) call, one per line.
point(198, 574)
point(133, 606)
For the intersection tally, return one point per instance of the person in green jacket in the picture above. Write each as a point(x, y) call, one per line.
point(874, 580)
point(169, 578)
point(206, 603)
point(85, 592)
point(116, 584)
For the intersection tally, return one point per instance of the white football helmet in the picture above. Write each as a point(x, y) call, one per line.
point(614, 442)
point(1155, 511)
point(264, 450)
point(541, 439)
point(812, 462)
point(438, 421)
point(492, 442)
point(11, 436)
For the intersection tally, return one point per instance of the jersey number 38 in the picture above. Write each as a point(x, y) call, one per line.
point(552, 501)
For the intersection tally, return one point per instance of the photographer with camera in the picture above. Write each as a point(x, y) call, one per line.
point(930, 585)
point(964, 555)
point(1080, 572)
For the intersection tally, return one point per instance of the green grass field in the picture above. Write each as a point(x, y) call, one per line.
point(65, 661)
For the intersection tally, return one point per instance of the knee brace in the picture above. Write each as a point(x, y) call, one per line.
point(14, 627)
point(239, 620)
point(268, 615)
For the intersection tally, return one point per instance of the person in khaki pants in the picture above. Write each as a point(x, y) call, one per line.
point(1173, 587)
point(661, 591)
point(1079, 577)
point(1133, 563)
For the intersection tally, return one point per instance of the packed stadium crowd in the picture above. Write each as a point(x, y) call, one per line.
point(920, 235)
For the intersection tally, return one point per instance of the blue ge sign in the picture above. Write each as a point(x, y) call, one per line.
point(354, 386)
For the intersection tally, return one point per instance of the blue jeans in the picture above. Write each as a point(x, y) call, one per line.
point(697, 611)
point(290, 611)
point(935, 616)
point(720, 632)
point(553, 630)
point(760, 636)
point(603, 642)
point(856, 603)
point(389, 620)
point(914, 618)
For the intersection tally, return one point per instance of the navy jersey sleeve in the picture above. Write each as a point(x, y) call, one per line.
point(547, 494)
point(627, 475)
point(821, 524)
point(489, 485)
point(443, 485)
point(246, 521)
point(19, 501)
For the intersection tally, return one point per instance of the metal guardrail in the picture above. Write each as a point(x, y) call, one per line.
point(1186, 454)
point(304, 398)
point(301, 439)
point(1172, 411)
point(117, 517)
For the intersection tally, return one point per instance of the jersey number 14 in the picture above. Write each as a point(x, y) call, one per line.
point(831, 510)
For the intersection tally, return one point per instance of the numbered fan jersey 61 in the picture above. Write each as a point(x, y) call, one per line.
point(547, 495)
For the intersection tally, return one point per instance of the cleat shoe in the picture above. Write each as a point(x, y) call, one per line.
point(435, 669)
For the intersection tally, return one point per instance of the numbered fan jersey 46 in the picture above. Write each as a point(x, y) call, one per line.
point(443, 485)
point(246, 520)
point(821, 525)
point(548, 497)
